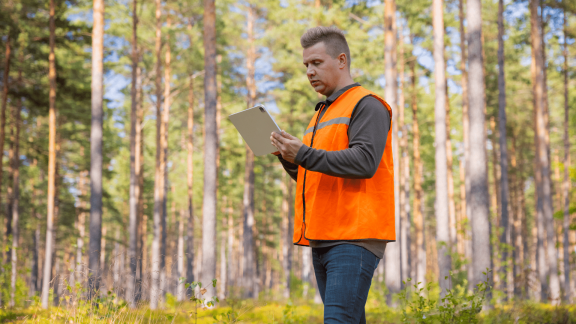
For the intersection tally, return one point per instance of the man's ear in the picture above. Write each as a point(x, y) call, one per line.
point(342, 61)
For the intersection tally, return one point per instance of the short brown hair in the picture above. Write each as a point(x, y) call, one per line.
point(332, 37)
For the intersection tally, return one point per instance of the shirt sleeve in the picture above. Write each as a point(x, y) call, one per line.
point(367, 135)
point(291, 168)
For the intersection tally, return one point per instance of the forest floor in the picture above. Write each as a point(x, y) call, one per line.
point(273, 312)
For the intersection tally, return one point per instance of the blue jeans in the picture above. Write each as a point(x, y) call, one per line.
point(344, 275)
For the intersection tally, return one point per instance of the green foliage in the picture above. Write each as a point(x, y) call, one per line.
point(457, 306)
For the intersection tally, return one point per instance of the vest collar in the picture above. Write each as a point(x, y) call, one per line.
point(335, 96)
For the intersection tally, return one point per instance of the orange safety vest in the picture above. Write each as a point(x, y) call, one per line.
point(333, 208)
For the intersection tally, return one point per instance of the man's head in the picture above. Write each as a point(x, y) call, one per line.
point(327, 59)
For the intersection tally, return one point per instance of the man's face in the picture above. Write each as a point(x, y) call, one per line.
point(322, 70)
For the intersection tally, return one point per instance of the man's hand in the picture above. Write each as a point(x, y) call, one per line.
point(286, 144)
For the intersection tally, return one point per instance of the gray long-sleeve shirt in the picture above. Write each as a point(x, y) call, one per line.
point(367, 134)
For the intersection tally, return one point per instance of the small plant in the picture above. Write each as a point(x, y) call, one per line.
point(457, 306)
point(197, 298)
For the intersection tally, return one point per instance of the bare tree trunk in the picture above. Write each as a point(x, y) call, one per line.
point(566, 184)
point(139, 168)
point(230, 247)
point(16, 185)
point(133, 199)
point(465, 190)
point(5, 87)
point(164, 270)
point(51, 160)
point(392, 255)
point(405, 170)
point(81, 222)
point(442, 213)
point(505, 238)
point(96, 149)
point(223, 268)
point(210, 150)
point(249, 281)
point(288, 231)
point(418, 194)
point(159, 170)
point(479, 212)
point(181, 289)
point(542, 156)
point(449, 176)
point(190, 180)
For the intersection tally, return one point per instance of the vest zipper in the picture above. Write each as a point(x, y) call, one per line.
point(304, 181)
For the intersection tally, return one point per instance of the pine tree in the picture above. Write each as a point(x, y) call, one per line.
point(51, 161)
point(96, 149)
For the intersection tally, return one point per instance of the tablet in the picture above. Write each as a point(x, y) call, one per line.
point(255, 125)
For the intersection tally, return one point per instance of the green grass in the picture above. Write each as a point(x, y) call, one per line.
point(274, 312)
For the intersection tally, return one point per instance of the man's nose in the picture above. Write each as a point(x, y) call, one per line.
point(310, 71)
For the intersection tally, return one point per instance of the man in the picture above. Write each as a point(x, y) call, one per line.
point(344, 205)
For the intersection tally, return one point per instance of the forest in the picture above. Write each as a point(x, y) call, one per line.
point(126, 194)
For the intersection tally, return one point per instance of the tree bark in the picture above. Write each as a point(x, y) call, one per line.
point(442, 213)
point(181, 289)
point(405, 169)
point(139, 167)
point(566, 184)
point(5, 87)
point(288, 247)
point(190, 181)
point(133, 199)
point(505, 237)
point(479, 202)
point(249, 281)
point(159, 170)
point(392, 255)
point(16, 113)
point(96, 149)
point(210, 150)
point(418, 194)
point(164, 270)
point(545, 192)
point(465, 190)
point(51, 160)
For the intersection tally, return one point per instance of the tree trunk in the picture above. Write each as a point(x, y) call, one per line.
point(51, 160)
point(288, 231)
point(230, 241)
point(133, 199)
point(405, 170)
point(139, 169)
point(465, 190)
point(442, 216)
point(449, 175)
point(210, 150)
point(479, 212)
point(96, 149)
point(505, 237)
point(417, 169)
point(16, 184)
point(566, 184)
point(159, 170)
point(545, 192)
point(81, 222)
point(190, 180)
point(223, 267)
point(392, 255)
point(164, 270)
point(249, 278)
point(5, 87)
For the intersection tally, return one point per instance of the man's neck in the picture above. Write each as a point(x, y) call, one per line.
point(343, 83)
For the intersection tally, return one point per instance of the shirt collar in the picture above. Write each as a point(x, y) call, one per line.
point(335, 96)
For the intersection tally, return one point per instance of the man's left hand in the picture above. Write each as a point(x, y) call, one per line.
point(286, 144)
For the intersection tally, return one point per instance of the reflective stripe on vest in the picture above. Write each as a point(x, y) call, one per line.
point(333, 208)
